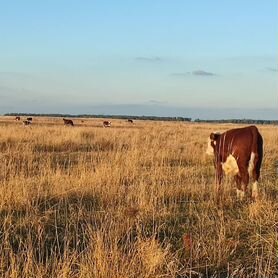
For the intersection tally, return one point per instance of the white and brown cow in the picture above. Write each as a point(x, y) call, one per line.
point(26, 123)
point(238, 152)
point(106, 124)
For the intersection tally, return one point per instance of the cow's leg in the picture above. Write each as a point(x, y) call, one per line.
point(219, 173)
point(239, 192)
point(244, 177)
point(255, 176)
point(218, 178)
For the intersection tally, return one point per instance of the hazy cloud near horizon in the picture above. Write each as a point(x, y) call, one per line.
point(272, 69)
point(148, 59)
point(195, 72)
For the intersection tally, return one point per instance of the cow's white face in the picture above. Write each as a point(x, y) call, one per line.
point(212, 142)
point(210, 150)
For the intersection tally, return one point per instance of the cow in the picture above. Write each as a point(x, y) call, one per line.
point(106, 124)
point(68, 122)
point(25, 122)
point(29, 119)
point(17, 118)
point(238, 152)
point(130, 121)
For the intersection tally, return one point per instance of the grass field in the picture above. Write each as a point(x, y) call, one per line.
point(129, 201)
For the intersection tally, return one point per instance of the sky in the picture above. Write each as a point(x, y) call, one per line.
point(209, 59)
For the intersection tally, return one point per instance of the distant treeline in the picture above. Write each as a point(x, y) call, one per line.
point(239, 121)
point(153, 118)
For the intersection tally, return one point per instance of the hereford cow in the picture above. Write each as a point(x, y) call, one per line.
point(130, 121)
point(25, 122)
point(238, 152)
point(29, 119)
point(17, 118)
point(68, 122)
point(106, 124)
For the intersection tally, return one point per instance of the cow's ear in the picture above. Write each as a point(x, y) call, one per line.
point(214, 136)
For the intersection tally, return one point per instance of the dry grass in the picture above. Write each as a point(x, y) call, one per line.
point(128, 201)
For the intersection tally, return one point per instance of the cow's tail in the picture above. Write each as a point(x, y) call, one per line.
point(257, 150)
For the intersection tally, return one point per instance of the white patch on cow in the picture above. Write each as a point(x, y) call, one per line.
point(240, 194)
point(251, 163)
point(255, 190)
point(209, 150)
point(230, 166)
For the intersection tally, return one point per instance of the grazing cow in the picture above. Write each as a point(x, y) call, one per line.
point(106, 124)
point(30, 119)
point(68, 122)
point(238, 152)
point(17, 118)
point(130, 121)
point(25, 122)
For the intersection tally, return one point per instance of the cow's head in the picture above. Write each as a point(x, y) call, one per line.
point(212, 142)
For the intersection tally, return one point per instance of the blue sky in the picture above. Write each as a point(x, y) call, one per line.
point(157, 56)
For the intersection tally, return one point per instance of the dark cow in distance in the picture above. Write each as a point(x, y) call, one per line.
point(238, 152)
point(106, 124)
point(68, 122)
point(130, 121)
point(17, 118)
point(30, 119)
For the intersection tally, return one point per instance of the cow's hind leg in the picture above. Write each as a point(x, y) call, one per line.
point(255, 176)
point(244, 175)
point(239, 192)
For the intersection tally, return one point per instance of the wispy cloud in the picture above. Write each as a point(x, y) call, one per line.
point(195, 72)
point(148, 59)
point(272, 69)
point(154, 101)
point(203, 73)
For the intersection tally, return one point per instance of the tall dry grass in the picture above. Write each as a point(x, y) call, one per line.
point(129, 201)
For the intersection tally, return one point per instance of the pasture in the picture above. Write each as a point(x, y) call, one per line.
point(129, 201)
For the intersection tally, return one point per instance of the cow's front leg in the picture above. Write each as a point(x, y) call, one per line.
point(219, 178)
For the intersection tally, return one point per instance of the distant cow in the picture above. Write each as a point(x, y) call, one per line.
point(106, 124)
point(130, 121)
point(29, 119)
point(239, 153)
point(25, 122)
point(68, 122)
point(17, 118)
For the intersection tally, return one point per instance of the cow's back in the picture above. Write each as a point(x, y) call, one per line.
point(240, 142)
